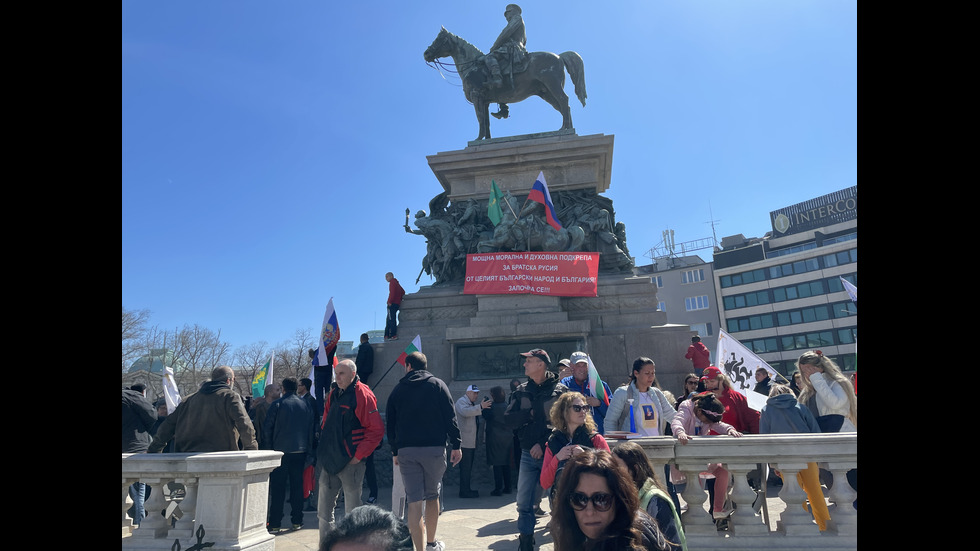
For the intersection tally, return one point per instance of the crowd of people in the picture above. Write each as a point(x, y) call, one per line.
point(551, 429)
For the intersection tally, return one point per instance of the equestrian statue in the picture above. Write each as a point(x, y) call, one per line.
point(509, 73)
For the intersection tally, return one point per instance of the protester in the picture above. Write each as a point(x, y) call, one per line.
point(288, 429)
point(654, 498)
point(597, 508)
point(395, 294)
point(138, 421)
point(527, 413)
point(578, 380)
point(468, 411)
point(783, 414)
point(500, 442)
point(699, 355)
point(697, 416)
point(690, 389)
point(827, 393)
point(369, 528)
point(574, 431)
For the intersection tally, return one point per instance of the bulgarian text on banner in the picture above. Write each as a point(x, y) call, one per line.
point(539, 273)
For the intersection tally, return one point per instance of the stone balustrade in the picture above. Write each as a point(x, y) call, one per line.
point(225, 499)
point(227, 493)
point(789, 453)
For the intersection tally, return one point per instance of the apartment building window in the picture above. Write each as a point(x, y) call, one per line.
point(692, 276)
point(696, 303)
point(658, 281)
point(702, 329)
point(662, 306)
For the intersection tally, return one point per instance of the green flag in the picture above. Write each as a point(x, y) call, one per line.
point(262, 378)
point(494, 212)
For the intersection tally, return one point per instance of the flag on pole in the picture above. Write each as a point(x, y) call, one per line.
point(595, 383)
point(329, 335)
point(263, 377)
point(539, 194)
point(852, 291)
point(494, 212)
point(415, 346)
point(739, 363)
point(170, 393)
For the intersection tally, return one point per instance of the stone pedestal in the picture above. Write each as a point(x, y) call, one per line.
point(476, 339)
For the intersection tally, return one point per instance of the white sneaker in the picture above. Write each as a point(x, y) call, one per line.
point(435, 546)
point(727, 512)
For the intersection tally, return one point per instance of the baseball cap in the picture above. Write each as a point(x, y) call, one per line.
point(710, 372)
point(565, 362)
point(579, 357)
point(472, 388)
point(538, 353)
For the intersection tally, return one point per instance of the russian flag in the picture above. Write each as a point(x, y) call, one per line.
point(329, 335)
point(539, 194)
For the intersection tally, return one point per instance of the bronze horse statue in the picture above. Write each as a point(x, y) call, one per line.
point(544, 77)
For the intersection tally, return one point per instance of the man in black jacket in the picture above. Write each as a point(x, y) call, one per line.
point(289, 429)
point(138, 417)
point(421, 419)
point(528, 415)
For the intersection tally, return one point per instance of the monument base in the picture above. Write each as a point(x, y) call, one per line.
point(477, 339)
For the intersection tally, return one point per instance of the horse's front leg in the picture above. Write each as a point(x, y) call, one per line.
point(483, 117)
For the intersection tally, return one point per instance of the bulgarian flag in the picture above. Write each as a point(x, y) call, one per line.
point(262, 379)
point(415, 346)
point(539, 194)
point(595, 383)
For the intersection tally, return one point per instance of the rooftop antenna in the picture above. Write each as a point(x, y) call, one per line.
point(714, 236)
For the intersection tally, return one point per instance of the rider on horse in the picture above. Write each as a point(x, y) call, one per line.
point(508, 48)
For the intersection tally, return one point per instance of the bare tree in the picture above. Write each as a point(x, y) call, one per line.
point(250, 358)
point(292, 357)
point(202, 350)
point(134, 332)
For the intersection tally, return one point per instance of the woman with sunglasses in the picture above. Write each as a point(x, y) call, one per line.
point(574, 430)
point(597, 508)
point(690, 389)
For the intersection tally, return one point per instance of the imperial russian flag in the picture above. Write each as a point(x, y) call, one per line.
point(539, 194)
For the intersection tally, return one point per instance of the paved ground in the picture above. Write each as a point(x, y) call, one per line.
point(483, 523)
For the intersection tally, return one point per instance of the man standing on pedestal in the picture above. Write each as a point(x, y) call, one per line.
point(699, 355)
point(395, 294)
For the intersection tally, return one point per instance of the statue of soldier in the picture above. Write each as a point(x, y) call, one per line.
point(508, 50)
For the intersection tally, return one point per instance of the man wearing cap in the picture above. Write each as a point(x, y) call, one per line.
point(564, 368)
point(468, 412)
point(579, 382)
point(528, 414)
point(698, 354)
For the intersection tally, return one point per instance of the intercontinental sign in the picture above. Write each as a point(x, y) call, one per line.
point(832, 208)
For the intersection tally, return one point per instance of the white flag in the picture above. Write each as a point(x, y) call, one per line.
point(739, 363)
point(170, 392)
point(852, 291)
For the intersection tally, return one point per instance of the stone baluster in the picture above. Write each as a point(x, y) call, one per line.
point(184, 529)
point(154, 525)
point(744, 521)
point(127, 522)
point(696, 520)
point(794, 521)
point(844, 515)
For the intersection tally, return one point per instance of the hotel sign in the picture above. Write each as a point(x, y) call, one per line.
point(832, 208)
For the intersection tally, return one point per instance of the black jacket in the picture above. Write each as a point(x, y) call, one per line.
point(420, 413)
point(529, 410)
point(138, 417)
point(289, 425)
point(364, 362)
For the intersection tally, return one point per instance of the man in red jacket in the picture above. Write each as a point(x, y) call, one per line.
point(699, 355)
point(395, 294)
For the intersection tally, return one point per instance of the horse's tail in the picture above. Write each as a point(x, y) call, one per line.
point(576, 69)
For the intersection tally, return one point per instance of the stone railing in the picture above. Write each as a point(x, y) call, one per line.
point(224, 500)
point(789, 453)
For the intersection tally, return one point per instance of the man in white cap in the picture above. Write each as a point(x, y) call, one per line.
point(579, 382)
point(468, 411)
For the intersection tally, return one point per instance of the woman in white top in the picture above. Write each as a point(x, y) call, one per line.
point(652, 411)
point(827, 393)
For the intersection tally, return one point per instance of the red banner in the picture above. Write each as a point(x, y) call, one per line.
point(537, 273)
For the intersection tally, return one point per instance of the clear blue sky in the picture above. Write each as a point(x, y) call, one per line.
point(270, 149)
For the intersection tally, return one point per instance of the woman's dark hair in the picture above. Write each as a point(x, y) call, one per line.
point(638, 463)
point(514, 383)
point(623, 532)
point(497, 393)
point(710, 406)
point(638, 366)
point(373, 526)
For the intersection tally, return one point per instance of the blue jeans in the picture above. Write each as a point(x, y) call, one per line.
point(137, 491)
point(528, 492)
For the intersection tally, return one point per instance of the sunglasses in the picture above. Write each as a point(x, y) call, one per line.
point(577, 408)
point(601, 502)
